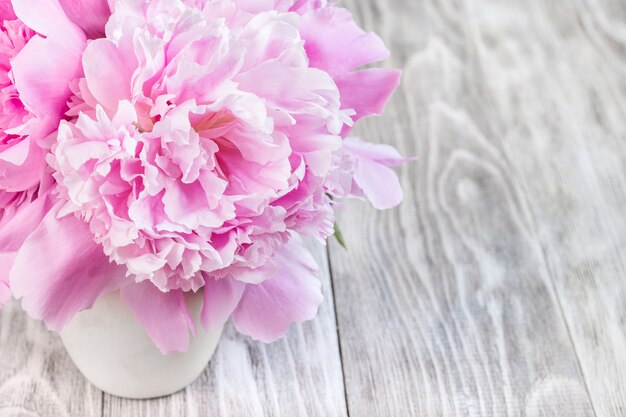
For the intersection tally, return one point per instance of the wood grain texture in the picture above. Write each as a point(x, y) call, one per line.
point(568, 148)
point(300, 375)
point(446, 306)
point(37, 378)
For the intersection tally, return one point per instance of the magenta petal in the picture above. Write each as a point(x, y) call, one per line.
point(164, 315)
point(6, 10)
point(60, 270)
point(221, 296)
point(367, 91)
point(292, 295)
point(89, 15)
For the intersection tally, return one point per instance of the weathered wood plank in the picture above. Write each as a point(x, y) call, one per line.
point(445, 305)
point(298, 376)
point(37, 378)
point(566, 139)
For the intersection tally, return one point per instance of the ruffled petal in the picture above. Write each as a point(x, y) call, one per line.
point(293, 294)
point(165, 316)
point(221, 296)
point(60, 270)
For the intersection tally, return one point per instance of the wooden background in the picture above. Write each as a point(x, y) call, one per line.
point(498, 288)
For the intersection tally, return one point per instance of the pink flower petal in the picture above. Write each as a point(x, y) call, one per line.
point(6, 10)
point(22, 166)
point(385, 154)
point(110, 83)
point(221, 296)
point(367, 91)
point(372, 175)
point(48, 18)
point(379, 183)
point(15, 229)
point(302, 6)
point(89, 15)
point(336, 44)
point(43, 70)
point(292, 295)
point(164, 315)
point(60, 270)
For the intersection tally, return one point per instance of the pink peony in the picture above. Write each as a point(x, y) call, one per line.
point(40, 52)
point(210, 141)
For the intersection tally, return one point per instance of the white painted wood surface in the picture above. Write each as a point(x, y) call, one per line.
point(498, 288)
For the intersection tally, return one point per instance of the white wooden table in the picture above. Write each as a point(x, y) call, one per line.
point(498, 288)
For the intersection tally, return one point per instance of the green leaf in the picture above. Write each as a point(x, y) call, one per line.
point(339, 237)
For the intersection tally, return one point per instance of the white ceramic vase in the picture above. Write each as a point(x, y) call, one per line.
point(115, 354)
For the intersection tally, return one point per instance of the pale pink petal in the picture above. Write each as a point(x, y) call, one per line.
point(221, 296)
point(42, 71)
point(60, 270)
point(48, 18)
point(385, 154)
point(15, 229)
point(372, 174)
point(379, 183)
point(108, 83)
point(89, 15)
point(165, 316)
point(21, 166)
point(292, 295)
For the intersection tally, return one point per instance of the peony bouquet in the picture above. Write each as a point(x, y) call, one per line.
point(159, 147)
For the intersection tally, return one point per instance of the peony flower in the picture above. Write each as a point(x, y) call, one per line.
point(198, 156)
point(40, 52)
